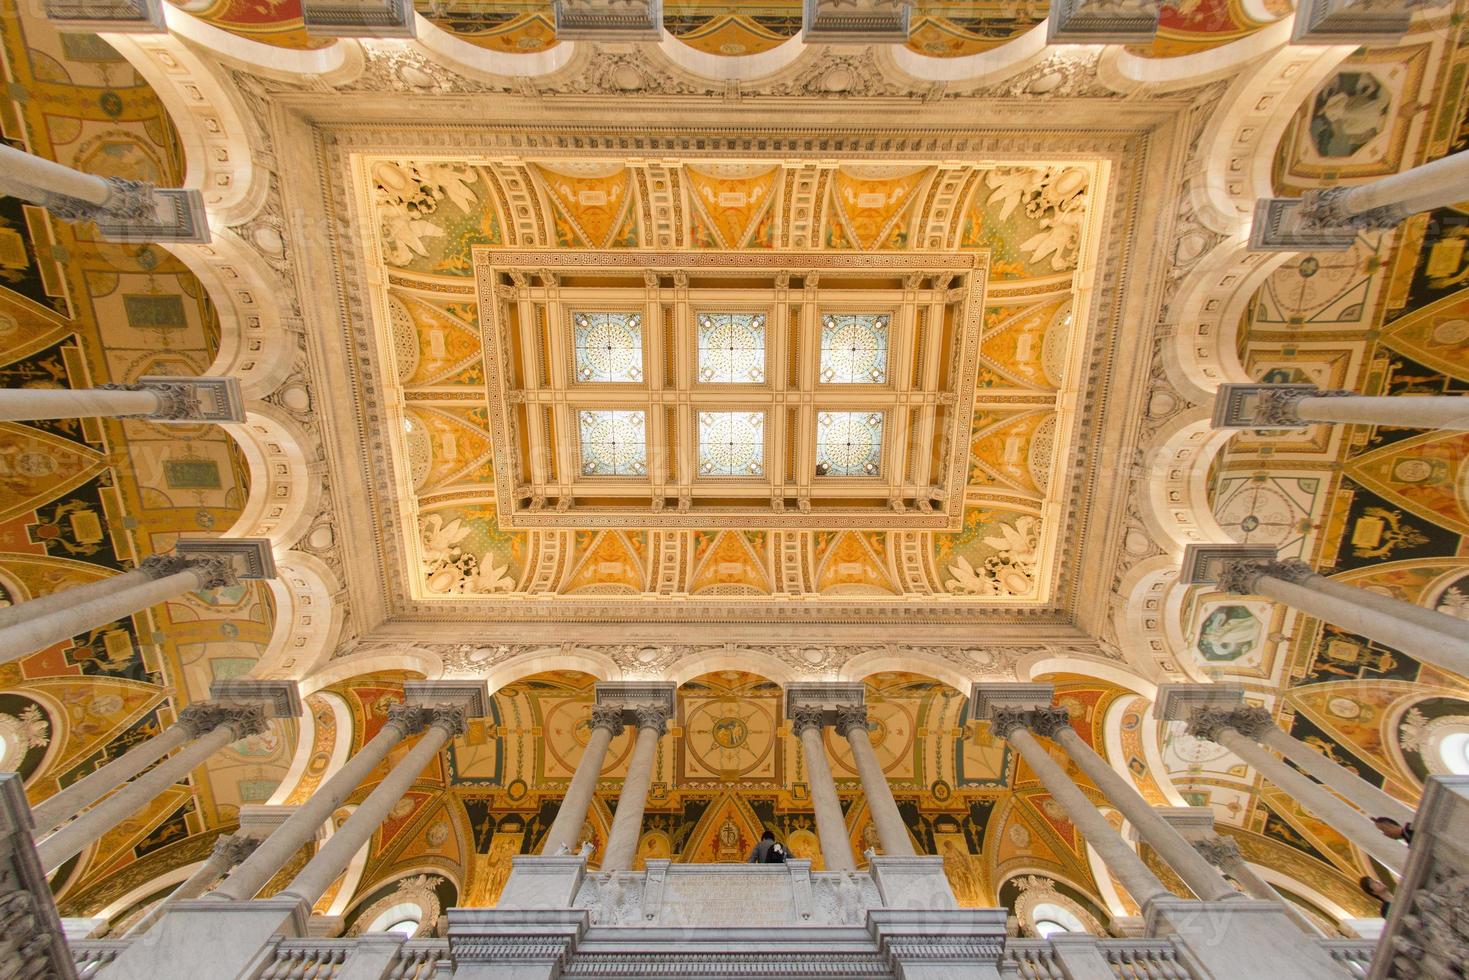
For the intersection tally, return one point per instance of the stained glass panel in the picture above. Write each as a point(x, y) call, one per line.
point(613, 443)
point(732, 348)
point(848, 443)
point(854, 348)
point(731, 443)
point(609, 346)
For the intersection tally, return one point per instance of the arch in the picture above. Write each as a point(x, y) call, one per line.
point(587, 661)
point(1196, 68)
point(1037, 666)
point(864, 665)
point(998, 62)
point(307, 621)
point(1148, 737)
point(740, 68)
point(1176, 508)
point(334, 64)
point(282, 494)
point(218, 141)
point(405, 657)
point(305, 745)
point(257, 345)
point(487, 65)
point(750, 659)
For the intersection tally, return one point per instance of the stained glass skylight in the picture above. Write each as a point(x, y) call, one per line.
point(732, 348)
point(613, 443)
point(609, 346)
point(854, 348)
point(849, 443)
point(731, 443)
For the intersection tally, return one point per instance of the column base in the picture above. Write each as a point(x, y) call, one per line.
point(912, 883)
point(541, 882)
point(201, 936)
point(1241, 938)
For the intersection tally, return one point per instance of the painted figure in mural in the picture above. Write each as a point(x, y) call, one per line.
point(1350, 112)
point(1228, 633)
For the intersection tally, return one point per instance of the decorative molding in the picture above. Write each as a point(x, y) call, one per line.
point(35, 942)
point(279, 698)
point(1280, 225)
point(1204, 564)
point(359, 18)
point(608, 20)
point(855, 21)
point(471, 696)
point(1371, 23)
point(102, 16)
point(1102, 21)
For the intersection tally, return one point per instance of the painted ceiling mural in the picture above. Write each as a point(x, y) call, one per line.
point(84, 499)
point(740, 28)
point(429, 216)
point(1377, 507)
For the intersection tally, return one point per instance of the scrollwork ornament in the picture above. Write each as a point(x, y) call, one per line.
point(176, 401)
point(807, 716)
point(1282, 407)
point(608, 716)
point(653, 717)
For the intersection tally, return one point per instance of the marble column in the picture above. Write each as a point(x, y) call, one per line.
point(566, 829)
point(1239, 731)
point(831, 827)
point(159, 578)
point(1284, 406)
point(302, 826)
point(229, 850)
point(1169, 844)
point(60, 807)
point(227, 723)
point(627, 822)
point(1331, 217)
point(1424, 634)
point(445, 721)
point(1015, 726)
point(155, 398)
point(1357, 791)
point(892, 832)
point(123, 210)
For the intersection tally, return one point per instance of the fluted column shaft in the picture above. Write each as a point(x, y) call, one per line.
point(228, 851)
point(334, 856)
point(572, 816)
point(301, 826)
point(892, 832)
point(1357, 790)
point(25, 404)
point(831, 826)
point(1120, 859)
point(627, 822)
point(167, 577)
point(70, 840)
point(1341, 817)
point(60, 807)
point(1424, 634)
point(1165, 839)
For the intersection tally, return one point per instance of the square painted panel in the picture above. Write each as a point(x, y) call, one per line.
point(609, 347)
point(613, 443)
point(732, 348)
point(849, 443)
point(854, 348)
point(731, 443)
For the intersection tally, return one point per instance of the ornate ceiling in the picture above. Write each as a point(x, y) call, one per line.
point(960, 490)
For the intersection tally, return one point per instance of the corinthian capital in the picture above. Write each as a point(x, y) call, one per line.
point(1049, 721)
point(1241, 577)
point(1222, 852)
point(1209, 723)
point(806, 716)
point(1280, 407)
point(652, 716)
point(234, 848)
point(450, 717)
point(1327, 209)
point(608, 716)
point(411, 718)
point(851, 716)
point(203, 717)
